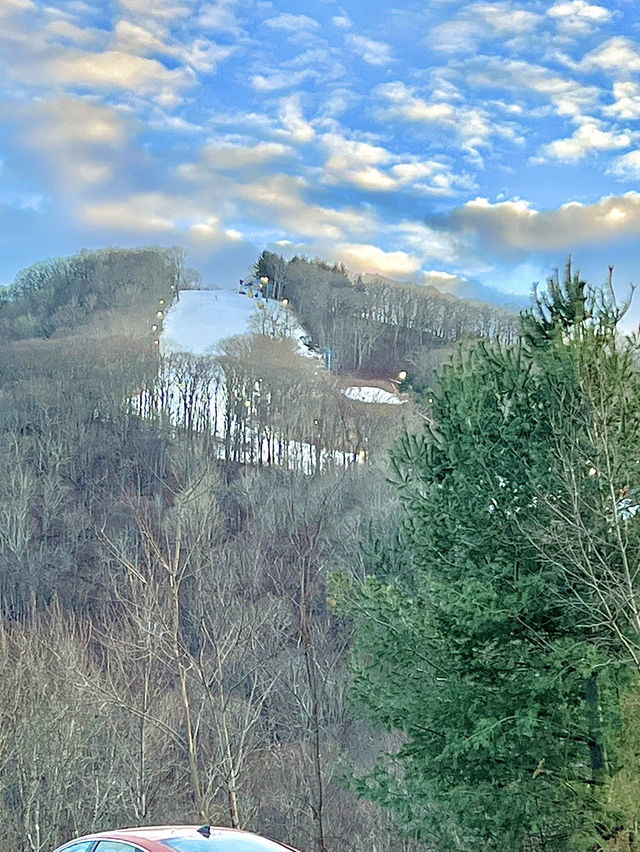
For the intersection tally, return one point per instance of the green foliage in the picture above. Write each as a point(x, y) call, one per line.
point(482, 648)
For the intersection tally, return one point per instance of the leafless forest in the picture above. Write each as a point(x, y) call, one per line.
point(167, 650)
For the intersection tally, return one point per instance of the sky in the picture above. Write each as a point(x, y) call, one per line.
point(471, 146)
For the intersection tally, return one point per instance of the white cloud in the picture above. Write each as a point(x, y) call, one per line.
point(428, 243)
point(16, 24)
point(11, 9)
point(577, 17)
point(627, 100)
point(69, 120)
point(456, 36)
point(510, 226)
point(201, 54)
point(211, 230)
point(205, 55)
point(619, 55)
point(474, 128)
point(568, 97)
point(444, 282)
point(161, 120)
point(277, 80)
point(406, 104)
point(343, 22)
point(372, 167)
point(588, 138)
point(220, 17)
point(415, 170)
point(157, 212)
point(369, 258)
point(161, 9)
point(338, 101)
point(62, 29)
point(296, 127)
point(226, 156)
point(505, 18)
point(39, 60)
point(626, 167)
point(292, 23)
point(430, 177)
point(124, 60)
point(133, 38)
point(278, 199)
point(81, 139)
point(482, 21)
point(350, 153)
point(18, 5)
point(114, 70)
point(372, 52)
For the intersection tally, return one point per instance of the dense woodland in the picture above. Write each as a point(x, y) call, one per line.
point(435, 647)
point(379, 324)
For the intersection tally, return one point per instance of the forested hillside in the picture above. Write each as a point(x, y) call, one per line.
point(232, 594)
point(374, 324)
point(55, 297)
point(166, 649)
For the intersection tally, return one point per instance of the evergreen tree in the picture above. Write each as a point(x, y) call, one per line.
point(468, 637)
point(274, 267)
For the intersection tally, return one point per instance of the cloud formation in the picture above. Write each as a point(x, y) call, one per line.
point(588, 138)
point(516, 225)
point(370, 258)
point(371, 51)
point(80, 139)
point(482, 21)
point(578, 17)
point(158, 213)
point(363, 133)
point(292, 23)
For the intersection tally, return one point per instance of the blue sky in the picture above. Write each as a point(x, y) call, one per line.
point(472, 146)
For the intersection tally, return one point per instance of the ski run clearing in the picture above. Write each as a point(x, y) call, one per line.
point(202, 319)
point(284, 411)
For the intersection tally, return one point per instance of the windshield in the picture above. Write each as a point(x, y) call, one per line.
point(223, 843)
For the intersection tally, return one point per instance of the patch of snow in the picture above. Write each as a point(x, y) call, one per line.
point(280, 321)
point(372, 394)
point(203, 318)
point(200, 403)
point(628, 507)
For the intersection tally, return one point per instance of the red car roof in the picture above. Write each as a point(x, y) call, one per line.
point(150, 837)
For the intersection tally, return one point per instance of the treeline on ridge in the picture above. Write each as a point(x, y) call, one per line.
point(377, 325)
point(55, 296)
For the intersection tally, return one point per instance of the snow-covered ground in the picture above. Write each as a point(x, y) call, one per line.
point(372, 394)
point(203, 318)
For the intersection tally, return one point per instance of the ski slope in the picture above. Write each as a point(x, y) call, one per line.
point(197, 394)
point(202, 319)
